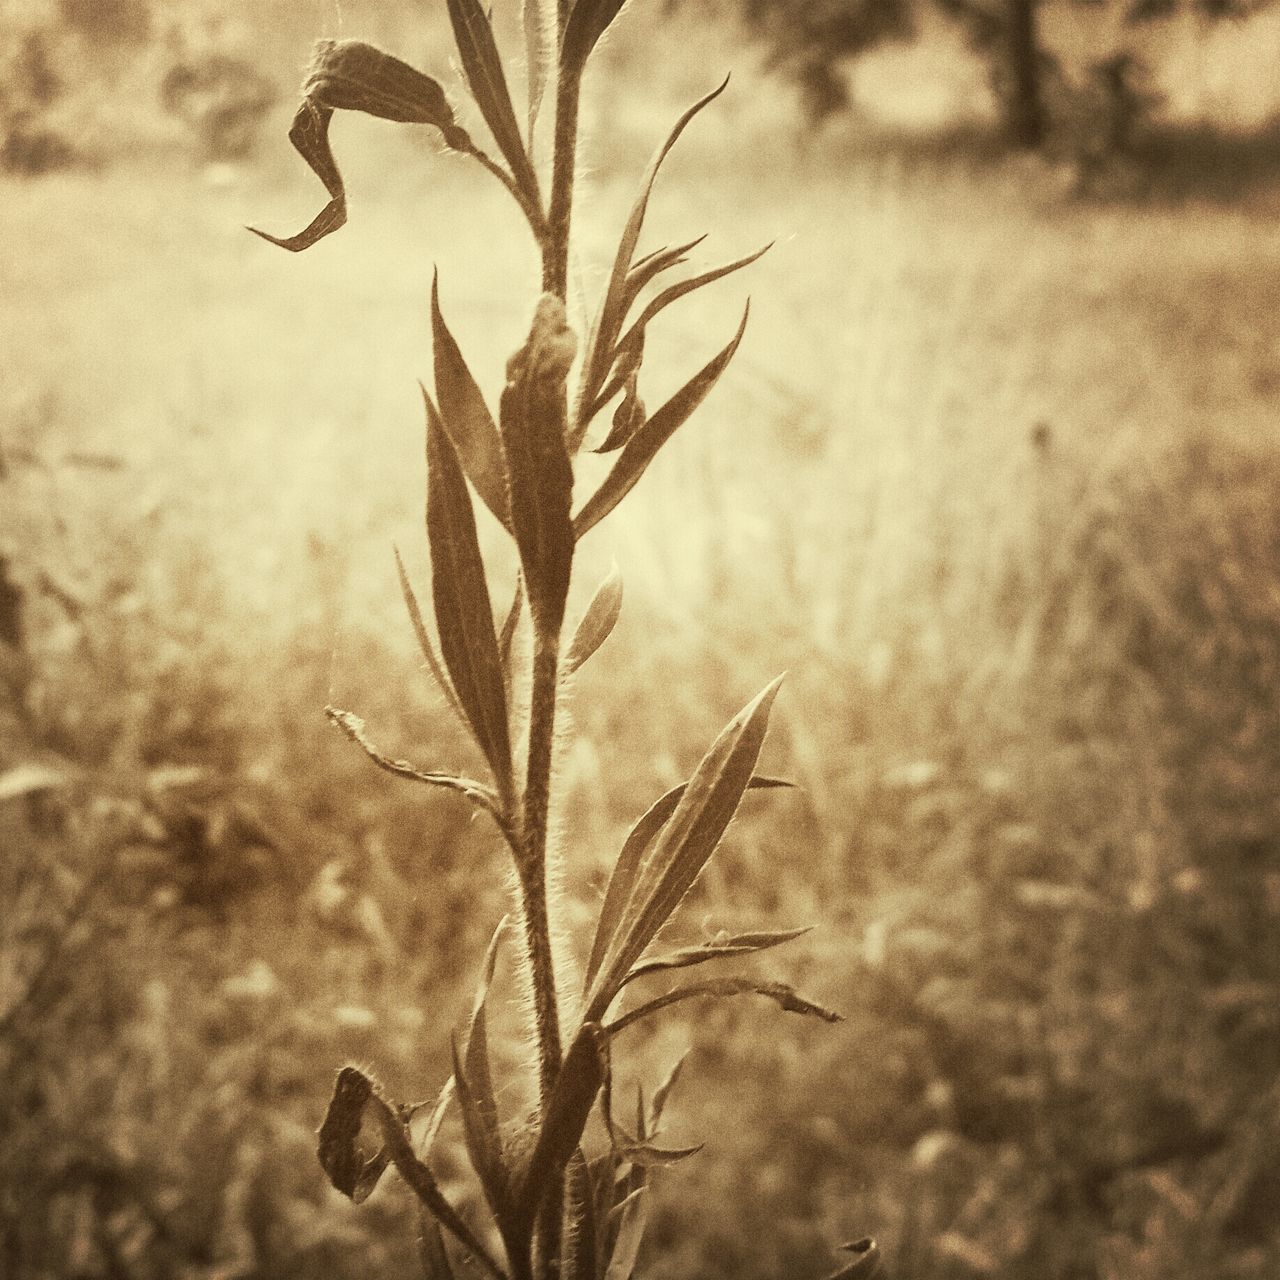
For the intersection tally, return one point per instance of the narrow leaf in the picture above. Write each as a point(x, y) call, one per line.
point(464, 615)
point(626, 377)
point(622, 881)
point(597, 622)
point(653, 265)
point(424, 640)
point(644, 444)
point(476, 1098)
point(662, 1093)
point(537, 460)
point(506, 641)
point(432, 1255)
point(581, 1076)
point(355, 76)
point(613, 310)
point(867, 1262)
point(540, 40)
point(467, 418)
point(721, 988)
point(683, 288)
point(482, 66)
point(588, 21)
point(626, 1248)
point(740, 945)
point(435, 1119)
point(639, 1152)
point(479, 794)
point(685, 843)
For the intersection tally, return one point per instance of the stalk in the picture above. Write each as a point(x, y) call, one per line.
point(555, 262)
point(533, 856)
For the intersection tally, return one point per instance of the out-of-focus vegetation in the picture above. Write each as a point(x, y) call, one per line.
point(993, 478)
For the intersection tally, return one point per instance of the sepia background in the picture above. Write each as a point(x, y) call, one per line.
point(992, 477)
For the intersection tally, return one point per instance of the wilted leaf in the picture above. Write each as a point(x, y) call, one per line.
point(352, 75)
point(467, 418)
point(424, 640)
point(346, 1165)
point(644, 444)
point(482, 66)
point(354, 728)
point(741, 944)
point(721, 988)
point(581, 1076)
point(464, 615)
point(617, 300)
point(597, 622)
point(539, 472)
point(342, 1160)
point(622, 881)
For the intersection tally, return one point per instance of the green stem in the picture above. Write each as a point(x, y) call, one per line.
point(533, 856)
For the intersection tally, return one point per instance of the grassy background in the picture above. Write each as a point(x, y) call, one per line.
point(991, 478)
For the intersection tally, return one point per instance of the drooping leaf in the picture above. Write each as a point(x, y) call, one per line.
point(424, 640)
point(597, 622)
point(482, 66)
point(479, 794)
point(533, 422)
point(352, 75)
point(467, 418)
point(579, 1082)
point(588, 21)
point(741, 944)
point(721, 988)
point(477, 1100)
point(622, 881)
point(614, 308)
point(464, 616)
point(867, 1262)
point(540, 50)
point(347, 1166)
point(644, 444)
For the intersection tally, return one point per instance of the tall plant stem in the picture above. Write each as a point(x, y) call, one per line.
point(555, 259)
point(533, 855)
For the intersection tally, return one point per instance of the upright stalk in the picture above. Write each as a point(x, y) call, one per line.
point(555, 261)
point(533, 855)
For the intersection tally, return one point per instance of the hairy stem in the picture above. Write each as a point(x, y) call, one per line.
point(555, 259)
point(533, 856)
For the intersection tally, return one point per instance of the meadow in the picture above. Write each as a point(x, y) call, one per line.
point(992, 479)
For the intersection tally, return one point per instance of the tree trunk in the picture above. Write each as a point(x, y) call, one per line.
point(1022, 99)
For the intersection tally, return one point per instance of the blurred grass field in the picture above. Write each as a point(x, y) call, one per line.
point(992, 478)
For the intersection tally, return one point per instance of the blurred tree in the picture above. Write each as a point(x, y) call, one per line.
point(811, 41)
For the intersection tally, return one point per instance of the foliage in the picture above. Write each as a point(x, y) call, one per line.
point(557, 1208)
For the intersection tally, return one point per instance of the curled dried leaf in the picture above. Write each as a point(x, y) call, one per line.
point(355, 76)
